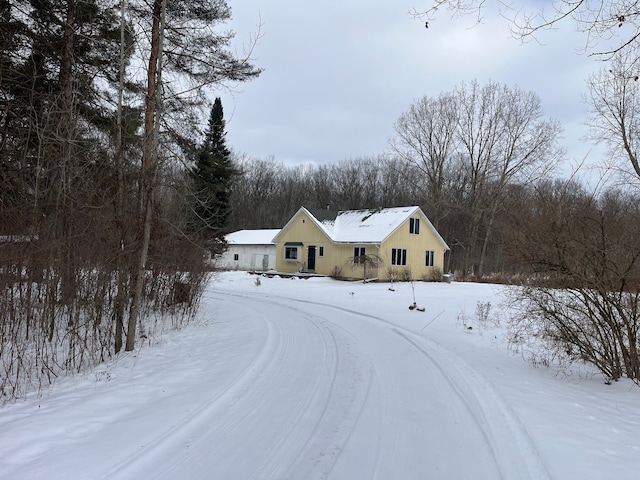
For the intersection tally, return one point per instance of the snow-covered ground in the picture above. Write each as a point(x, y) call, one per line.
point(311, 379)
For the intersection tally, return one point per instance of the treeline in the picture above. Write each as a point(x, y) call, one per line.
point(267, 193)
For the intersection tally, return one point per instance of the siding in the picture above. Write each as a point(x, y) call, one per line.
point(250, 257)
point(416, 246)
point(302, 229)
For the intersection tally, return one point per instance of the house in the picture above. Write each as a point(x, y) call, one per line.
point(249, 250)
point(388, 243)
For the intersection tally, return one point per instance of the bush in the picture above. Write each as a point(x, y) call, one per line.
point(578, 325)
point(433, 275)
point(336, 273)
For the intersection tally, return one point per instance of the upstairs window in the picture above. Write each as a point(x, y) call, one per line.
point(399, 256)
point(358, 254)
point(414, 226)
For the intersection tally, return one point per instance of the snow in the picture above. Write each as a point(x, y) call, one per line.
point(369, 225)
point(314, 378)
point(366, 226)
point(252, 237)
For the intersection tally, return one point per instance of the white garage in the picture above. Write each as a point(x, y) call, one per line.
point(251, 250)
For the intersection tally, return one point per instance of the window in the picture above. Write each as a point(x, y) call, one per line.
point(291, 253)
point(358, 254)
point(414, 226)
point(321, 251)
point(236, 257)
point(398, 256)
point(429, 258)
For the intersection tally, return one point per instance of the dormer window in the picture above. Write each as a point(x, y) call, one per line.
point(414, 226)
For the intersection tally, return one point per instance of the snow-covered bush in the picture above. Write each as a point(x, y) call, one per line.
point(563, 326)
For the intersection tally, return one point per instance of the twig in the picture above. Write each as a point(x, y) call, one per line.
point(432, 320)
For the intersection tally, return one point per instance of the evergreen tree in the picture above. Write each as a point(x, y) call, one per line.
point(211, 179)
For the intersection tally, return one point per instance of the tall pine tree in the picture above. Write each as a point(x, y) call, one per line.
point(210, 182)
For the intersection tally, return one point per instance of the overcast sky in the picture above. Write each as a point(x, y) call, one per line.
point(339, 74)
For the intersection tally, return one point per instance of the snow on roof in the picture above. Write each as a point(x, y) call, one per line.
point(368, 226)
point(252, 237)
point(363, 226)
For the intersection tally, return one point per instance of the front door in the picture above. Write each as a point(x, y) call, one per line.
point(265, 262)
point(311, 258)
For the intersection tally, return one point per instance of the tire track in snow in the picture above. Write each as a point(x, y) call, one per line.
point(261, 397)
point(340, 405)
point(281, 454)
point(494, 417)
point(318, 428)
point(235, 389)
point(306, 446)
point(490, 411)
point(396, 445)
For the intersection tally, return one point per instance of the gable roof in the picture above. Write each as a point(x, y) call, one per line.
point(363, 226)
point(252, 237)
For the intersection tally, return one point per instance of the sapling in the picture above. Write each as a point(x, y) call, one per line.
point(414, 306)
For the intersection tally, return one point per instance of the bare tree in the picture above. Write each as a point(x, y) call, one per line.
point(600, 21)
point(254, 194)
point(581, 299)
point(505, 140)
point(614, 100)
point(476, 141)
point(427, 139)
point(367, 262)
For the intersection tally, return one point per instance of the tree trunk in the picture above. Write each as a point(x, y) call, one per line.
point(149, 162)
point(121, 262)
point(65, 134)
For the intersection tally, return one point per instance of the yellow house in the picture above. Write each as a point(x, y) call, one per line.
point(389, 243)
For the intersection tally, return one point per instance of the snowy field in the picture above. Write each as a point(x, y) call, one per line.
point(314, 379)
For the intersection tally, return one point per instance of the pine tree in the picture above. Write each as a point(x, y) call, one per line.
point(211, 179)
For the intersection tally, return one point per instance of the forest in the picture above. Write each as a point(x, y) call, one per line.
point(103, 217)
point(116, 183)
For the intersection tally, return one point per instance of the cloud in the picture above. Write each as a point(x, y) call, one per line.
point(337, 76)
